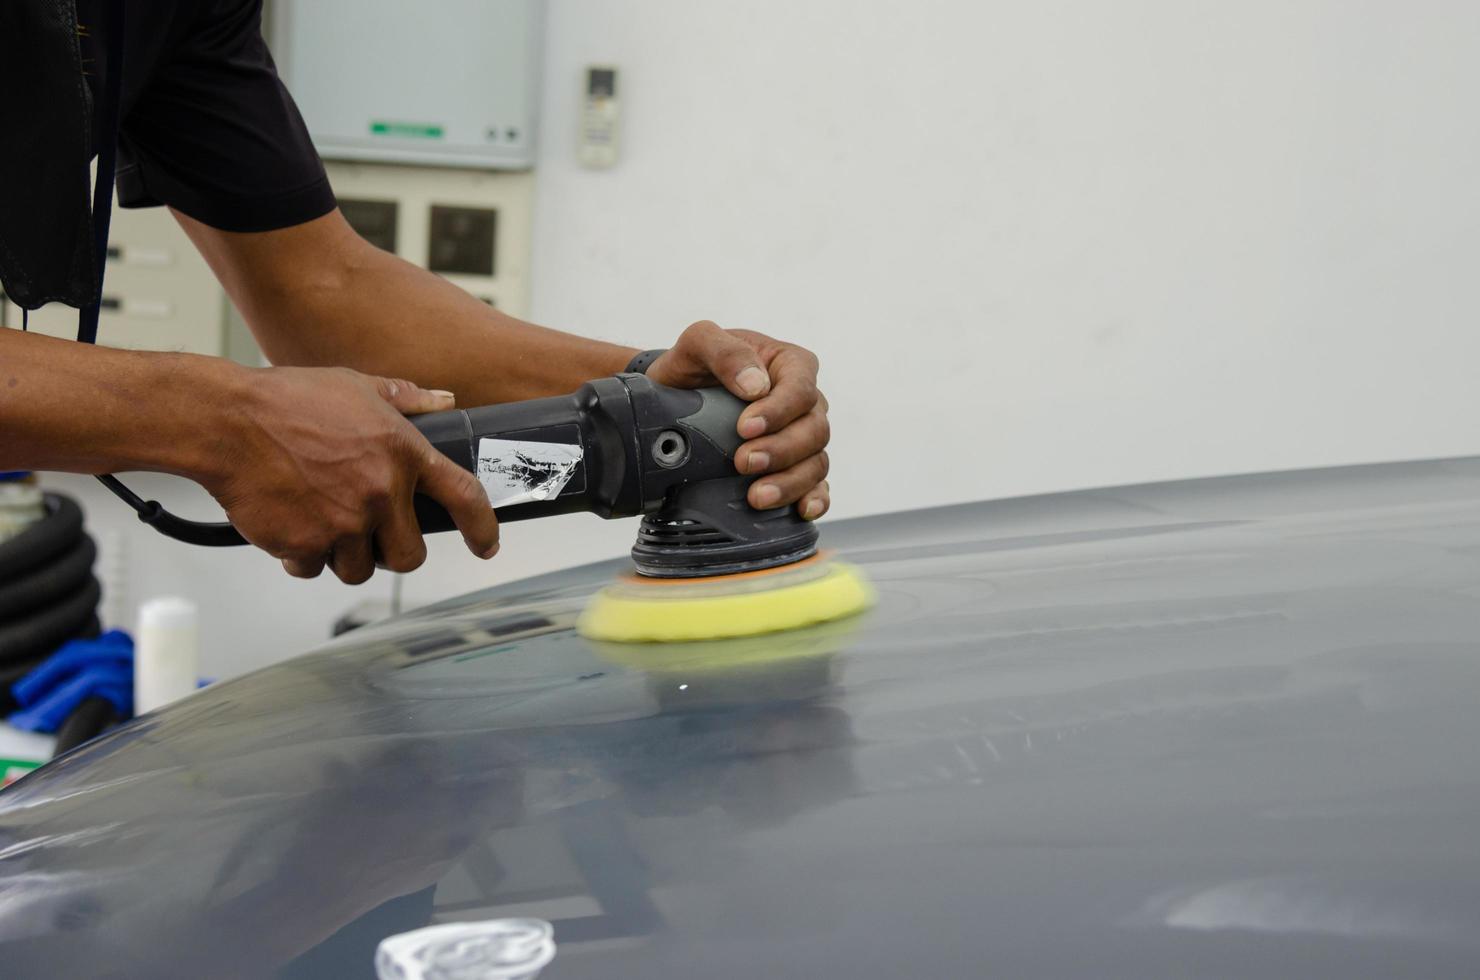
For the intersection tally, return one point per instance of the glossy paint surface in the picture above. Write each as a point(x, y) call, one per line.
point(1225, 727)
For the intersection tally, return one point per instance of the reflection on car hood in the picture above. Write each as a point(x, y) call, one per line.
point(1225, 727)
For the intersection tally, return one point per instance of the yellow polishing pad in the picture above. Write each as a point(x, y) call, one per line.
point(645, 610)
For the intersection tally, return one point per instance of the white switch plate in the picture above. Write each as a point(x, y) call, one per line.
point(600, 118)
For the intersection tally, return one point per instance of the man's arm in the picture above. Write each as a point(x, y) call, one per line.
point(316, 467)
point(80, 409)
point(318, 294)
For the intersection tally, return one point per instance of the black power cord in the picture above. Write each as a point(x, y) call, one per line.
point(151, 512)
point(211, 534)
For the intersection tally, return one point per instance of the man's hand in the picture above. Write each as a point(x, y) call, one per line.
point(321, 465)
point(785, 425)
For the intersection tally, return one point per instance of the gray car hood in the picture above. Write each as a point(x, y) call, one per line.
point(1226, 727)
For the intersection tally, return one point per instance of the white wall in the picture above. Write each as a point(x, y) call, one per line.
point(1044, 244)
point(1038, 245)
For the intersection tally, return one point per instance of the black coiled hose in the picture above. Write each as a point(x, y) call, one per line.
point(40, 543)
point(48, 596)
point(43, 586)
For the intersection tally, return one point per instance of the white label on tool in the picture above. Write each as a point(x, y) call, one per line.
point(517, 472)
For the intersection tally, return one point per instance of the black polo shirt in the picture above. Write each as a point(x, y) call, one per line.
point(206, 125)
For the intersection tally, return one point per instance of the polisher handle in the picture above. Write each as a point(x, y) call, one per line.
point(617, 447)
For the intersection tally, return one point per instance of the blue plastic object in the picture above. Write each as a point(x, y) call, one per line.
point(11, 475)
point(80, 669)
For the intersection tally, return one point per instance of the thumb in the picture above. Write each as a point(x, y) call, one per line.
point(410, 399)
point(705, 351)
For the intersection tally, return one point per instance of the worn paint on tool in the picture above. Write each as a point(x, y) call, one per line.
point(513, 471)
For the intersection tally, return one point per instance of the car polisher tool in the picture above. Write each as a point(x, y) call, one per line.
point(706, 564)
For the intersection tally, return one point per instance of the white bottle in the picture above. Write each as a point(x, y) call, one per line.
point(166, 653)
point(21, 505)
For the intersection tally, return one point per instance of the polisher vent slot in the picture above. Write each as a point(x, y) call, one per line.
point(681, 534)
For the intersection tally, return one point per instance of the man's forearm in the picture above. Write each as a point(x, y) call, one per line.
point(83, 409)
point(318, 295)
point(391, 318)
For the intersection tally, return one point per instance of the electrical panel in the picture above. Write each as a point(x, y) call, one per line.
point(443, 82)
point(158, 293)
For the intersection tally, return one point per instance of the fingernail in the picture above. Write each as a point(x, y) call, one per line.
point(753, 426)
point(489, 553)
point(767, 495)
point(444, 394)
point(753, 381)
point(758, 462)
point(813, 510)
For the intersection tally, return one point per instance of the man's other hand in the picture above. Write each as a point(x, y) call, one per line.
point(319, 467)
point(785, 426)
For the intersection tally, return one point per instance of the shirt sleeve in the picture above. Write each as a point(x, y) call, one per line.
point(215, 134)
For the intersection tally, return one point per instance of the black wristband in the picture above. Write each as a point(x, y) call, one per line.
point(643, 361)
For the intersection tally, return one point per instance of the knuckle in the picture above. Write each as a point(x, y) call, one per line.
point(733, 346)
point(824, 427)
point(805, 382)
point(288, 556)
point(348, 525)
point(804, 390)
point(784, 453)
point(274, 544)
point(303, 548)
point(472, 491)
point(379, 492)
point(696, 333)
point(824, 465)
point(353, 574)
point(407, 558)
